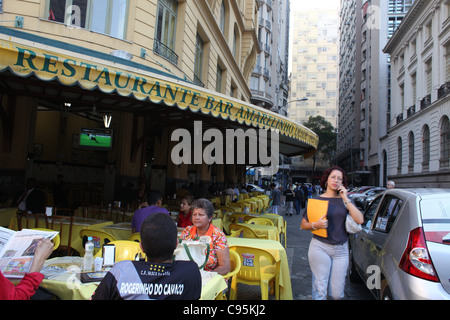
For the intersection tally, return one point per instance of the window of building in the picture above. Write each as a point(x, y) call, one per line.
point(393, 24)
point(399, 6)
point(164, 43)
point(198, 64)
point(425, 147)
point(411, 152)
point(429, 76)
point(399, 155)
point(219, 79)
point(445, 142)
point(104, 16)
point(222, 17)
point(447, 63)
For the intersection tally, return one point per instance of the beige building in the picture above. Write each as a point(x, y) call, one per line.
point(314, 77)
point(145, 68)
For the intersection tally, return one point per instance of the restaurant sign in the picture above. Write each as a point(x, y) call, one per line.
point(91, 73)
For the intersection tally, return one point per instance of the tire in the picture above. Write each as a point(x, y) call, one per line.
point(385, 291)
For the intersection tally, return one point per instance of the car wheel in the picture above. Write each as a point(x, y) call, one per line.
point(385, 291)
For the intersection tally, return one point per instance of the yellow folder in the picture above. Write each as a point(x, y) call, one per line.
point(316, 210)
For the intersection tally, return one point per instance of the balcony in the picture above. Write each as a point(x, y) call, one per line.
point(164, 51)
point(399, 118)
point(425, 102)
point(198, 82)
point(444, 90)
point(410, 111)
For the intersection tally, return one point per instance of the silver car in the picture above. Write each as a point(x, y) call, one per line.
point(403, 250)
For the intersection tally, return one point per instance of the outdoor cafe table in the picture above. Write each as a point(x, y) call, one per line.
point(68, 287)
point(79, 223)
point(278, 251)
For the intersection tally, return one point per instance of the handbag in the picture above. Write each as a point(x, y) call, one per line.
point(196, 251)
point(351, 226)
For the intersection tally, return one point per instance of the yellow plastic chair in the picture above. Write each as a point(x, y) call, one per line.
point(135, 237)
point(239, 217)
point(235, 266)
point(56, 240)
point(258, 267)
point(261, 221)
point(247, 232)
point(99, 237)
point(125, 250)
point(238, 233)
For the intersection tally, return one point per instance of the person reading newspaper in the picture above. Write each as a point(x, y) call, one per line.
point(31, 281)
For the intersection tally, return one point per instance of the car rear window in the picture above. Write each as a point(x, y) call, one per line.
point(436, 219)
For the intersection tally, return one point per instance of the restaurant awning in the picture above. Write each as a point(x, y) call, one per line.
point(34, 58)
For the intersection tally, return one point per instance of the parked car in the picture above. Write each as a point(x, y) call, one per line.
point(359, 190)
point(252, 187)
point(360, 198)
point(403, 250)
point(366, 201)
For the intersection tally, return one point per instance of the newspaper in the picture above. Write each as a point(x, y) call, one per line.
point(17, 250)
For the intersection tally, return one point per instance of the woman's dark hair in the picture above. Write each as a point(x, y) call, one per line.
point(204, 204)
point(188, 198)
point(159, 237)
point(327, 173)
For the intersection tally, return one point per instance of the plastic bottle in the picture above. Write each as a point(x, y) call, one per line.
point(88, 260)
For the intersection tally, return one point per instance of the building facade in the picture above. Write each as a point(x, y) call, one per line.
point(314, 77)
point(418, 142)
point(147, 68)
point(269, 82)
point(365, 80)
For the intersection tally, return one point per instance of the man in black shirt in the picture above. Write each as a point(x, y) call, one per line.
point(160, 277)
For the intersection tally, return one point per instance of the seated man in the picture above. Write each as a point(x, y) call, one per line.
point(154, 201)
point(160, 277)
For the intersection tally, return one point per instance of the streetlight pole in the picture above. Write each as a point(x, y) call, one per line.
point(298, 100)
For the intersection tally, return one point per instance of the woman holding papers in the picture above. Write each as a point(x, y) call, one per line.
point(328, 251)
point(31, 281)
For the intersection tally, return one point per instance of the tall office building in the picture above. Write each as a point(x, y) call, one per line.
point(314, 77)
point(364, 92)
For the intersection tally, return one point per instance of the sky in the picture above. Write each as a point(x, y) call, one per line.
point(297, 5)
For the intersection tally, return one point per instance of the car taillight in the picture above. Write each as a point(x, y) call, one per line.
point(416, 260)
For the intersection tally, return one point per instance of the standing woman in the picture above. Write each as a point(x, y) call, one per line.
point(328, 257)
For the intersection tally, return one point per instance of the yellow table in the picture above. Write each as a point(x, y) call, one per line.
point(121, 230)
point(277, 220)
point(67, 286)
point(5, 216)
point(277, 250)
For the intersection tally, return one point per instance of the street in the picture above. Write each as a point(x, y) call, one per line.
point(297, 253)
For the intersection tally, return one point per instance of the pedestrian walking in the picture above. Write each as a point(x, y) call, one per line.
point(299, 196)
point(275, 197)
point(328, 255)
point(290, 197)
